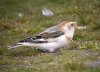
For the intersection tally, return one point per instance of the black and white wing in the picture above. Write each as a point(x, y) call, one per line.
point(52, 32)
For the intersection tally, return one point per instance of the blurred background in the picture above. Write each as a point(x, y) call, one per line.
point(20, 19)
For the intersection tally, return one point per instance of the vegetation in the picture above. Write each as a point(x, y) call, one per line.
point(20, 19)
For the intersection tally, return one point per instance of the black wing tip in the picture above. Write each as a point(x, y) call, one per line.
point(31, 39)
point(14, 46)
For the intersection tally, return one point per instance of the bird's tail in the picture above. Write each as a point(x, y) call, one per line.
point(15, 46)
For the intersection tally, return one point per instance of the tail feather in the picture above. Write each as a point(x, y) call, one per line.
point(20, 44)
point(14, 46)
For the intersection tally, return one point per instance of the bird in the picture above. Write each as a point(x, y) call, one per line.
point(51, 38)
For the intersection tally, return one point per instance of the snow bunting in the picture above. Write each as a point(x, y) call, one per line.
point(52, 38)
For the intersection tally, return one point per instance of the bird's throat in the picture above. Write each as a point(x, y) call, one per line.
point(70, 33)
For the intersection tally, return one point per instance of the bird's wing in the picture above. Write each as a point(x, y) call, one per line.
point(51, 30)
point(43, 37)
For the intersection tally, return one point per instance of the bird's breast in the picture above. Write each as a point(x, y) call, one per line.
point(62, 40)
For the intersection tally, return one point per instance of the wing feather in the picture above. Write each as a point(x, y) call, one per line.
point(43, 37)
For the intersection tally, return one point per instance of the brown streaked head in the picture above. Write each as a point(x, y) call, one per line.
point(65, 25)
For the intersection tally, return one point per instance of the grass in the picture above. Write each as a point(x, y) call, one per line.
point(85, 46)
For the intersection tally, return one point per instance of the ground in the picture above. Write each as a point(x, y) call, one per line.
point(20, 19)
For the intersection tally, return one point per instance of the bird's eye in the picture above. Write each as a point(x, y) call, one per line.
point(72, 24)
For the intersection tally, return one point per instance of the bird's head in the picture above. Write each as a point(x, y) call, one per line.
point(66, 26)
point(69, 27)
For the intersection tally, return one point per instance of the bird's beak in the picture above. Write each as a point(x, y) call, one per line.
point(76, 26)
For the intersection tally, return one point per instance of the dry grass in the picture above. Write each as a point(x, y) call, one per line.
point(86, 44)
